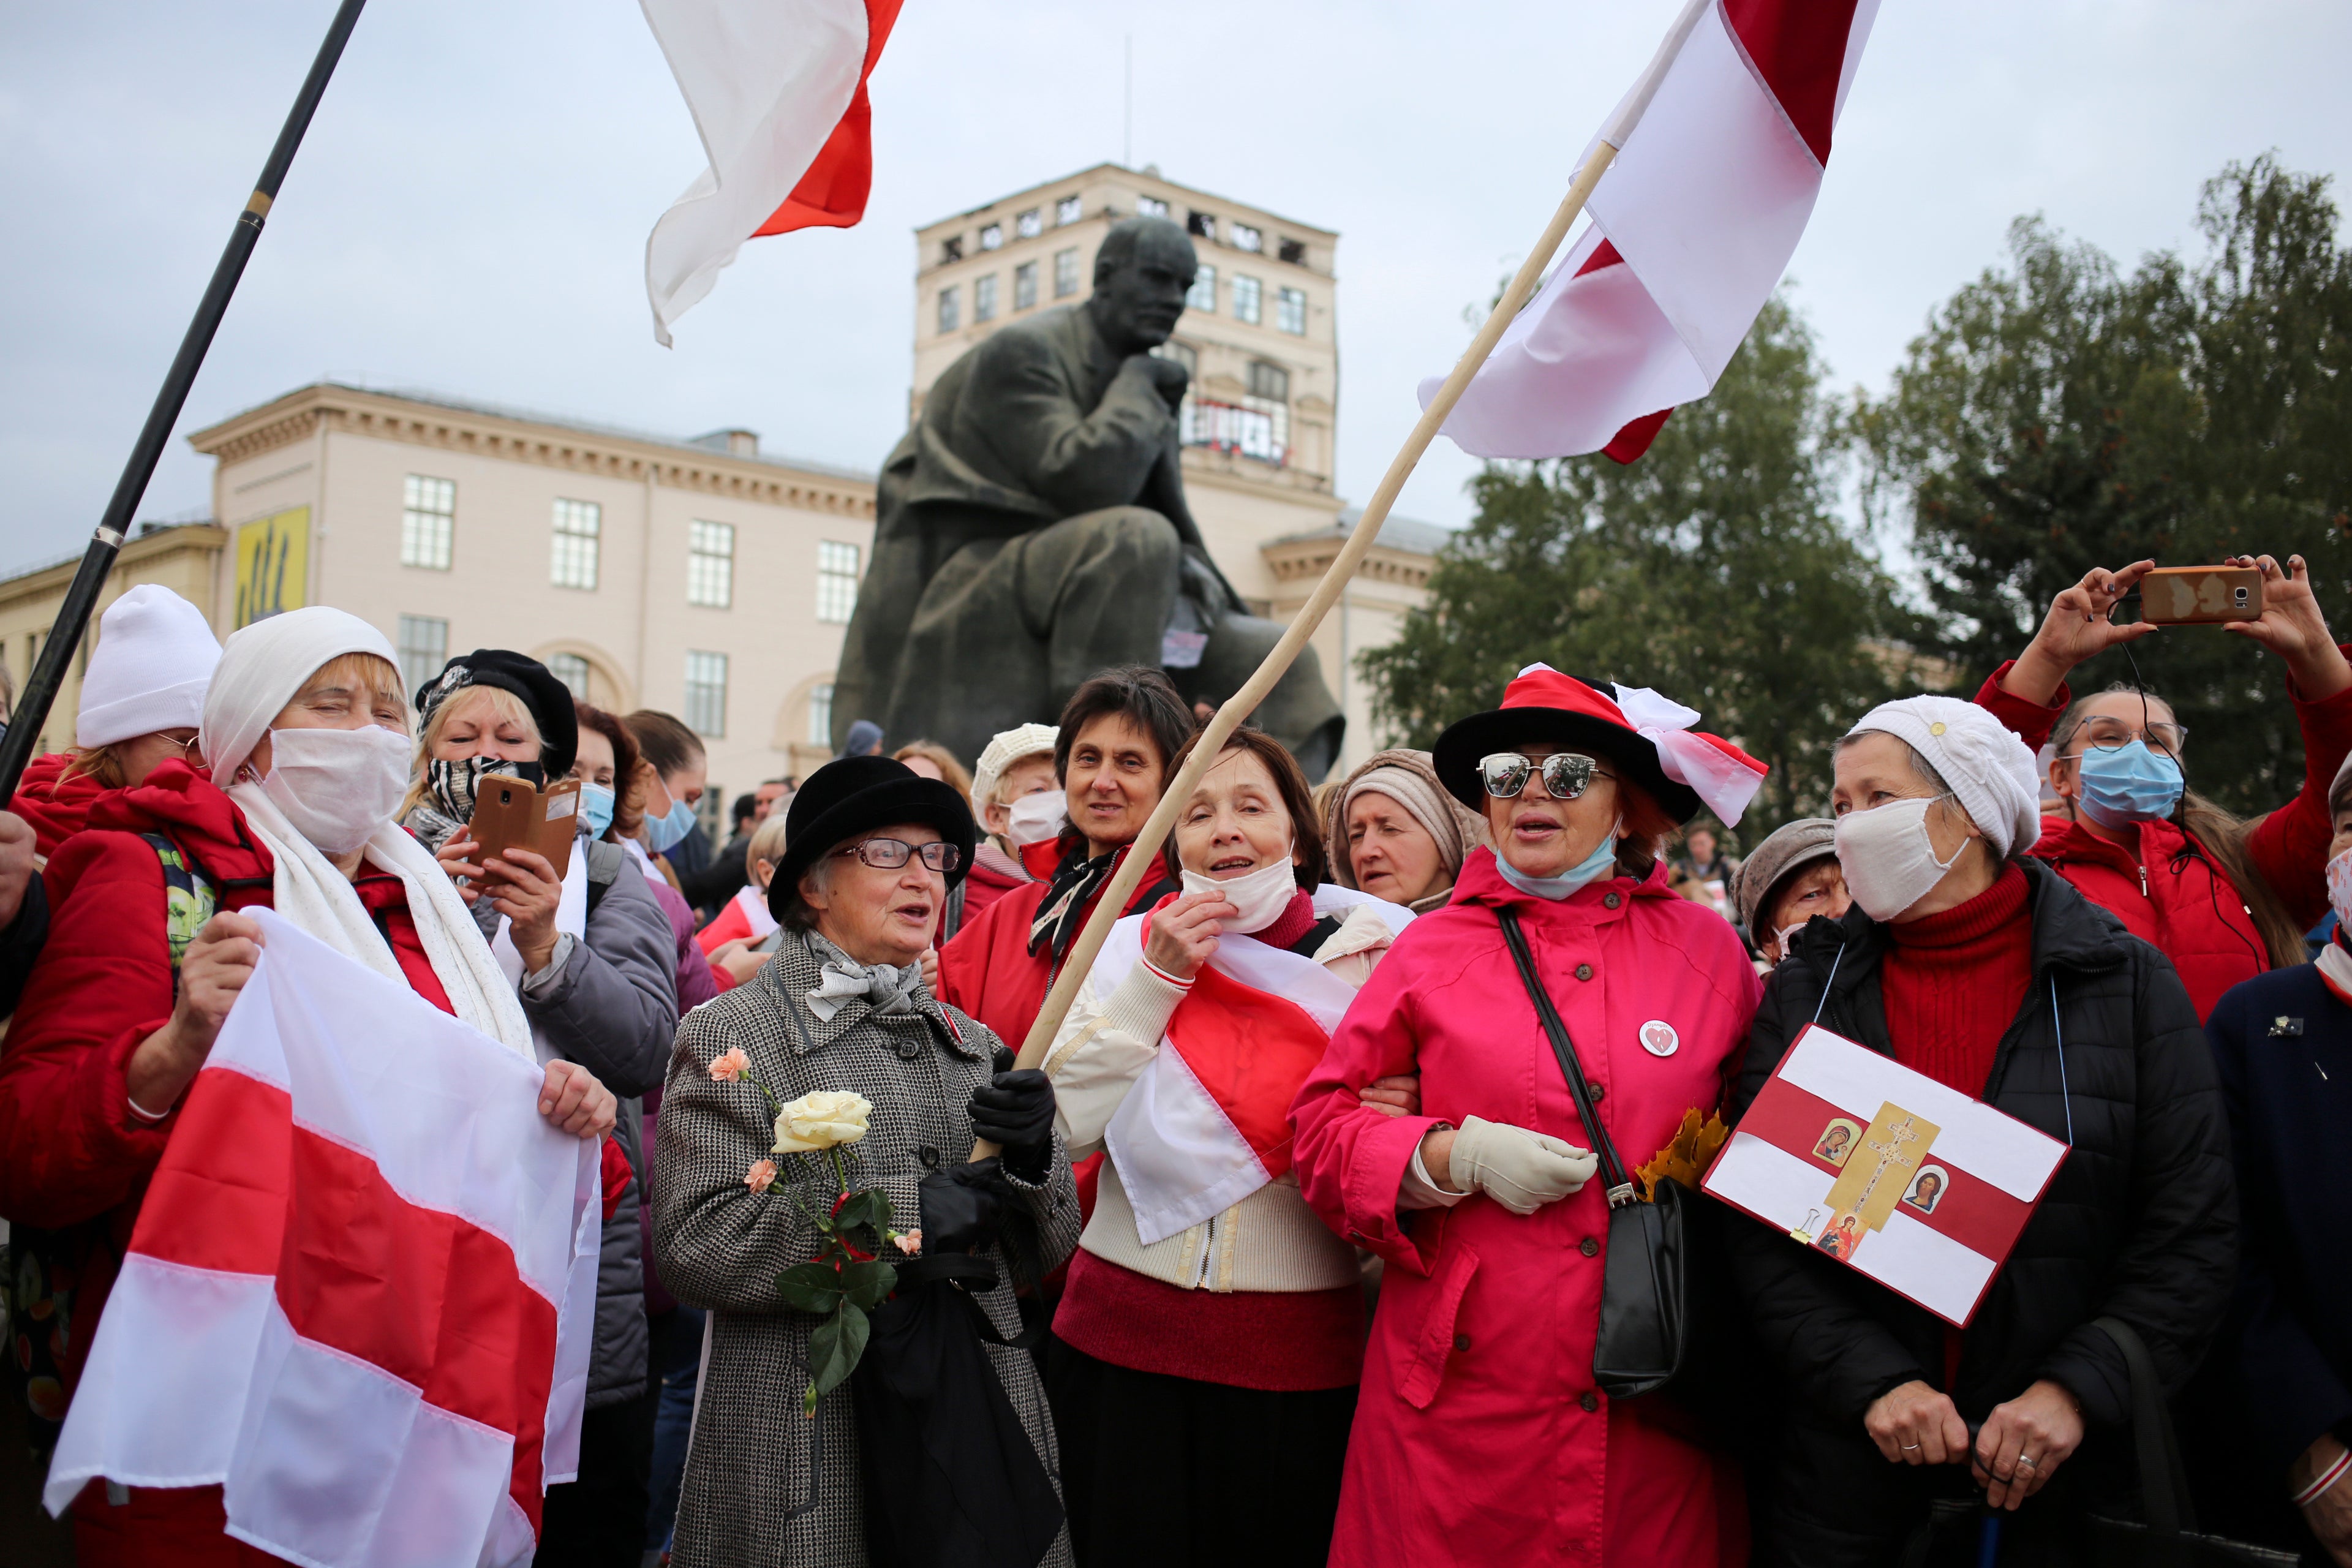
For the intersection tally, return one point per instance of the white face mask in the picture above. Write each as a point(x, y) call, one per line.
point(1261, 895)
point(1888, 859)
point(1036, 817)
point(337, 786)
point(2339, 886)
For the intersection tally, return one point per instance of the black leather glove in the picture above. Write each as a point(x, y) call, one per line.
point(963, 1207)
point(1015, 1111)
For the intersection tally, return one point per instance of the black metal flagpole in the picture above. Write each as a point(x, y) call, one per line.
point(73, 616)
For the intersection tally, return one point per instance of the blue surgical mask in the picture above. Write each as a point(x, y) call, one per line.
point(664, 834)
point(2129, 783)
point(596, 803)
point(1600, 863)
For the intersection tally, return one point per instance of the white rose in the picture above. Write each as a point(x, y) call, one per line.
point(821, 1121)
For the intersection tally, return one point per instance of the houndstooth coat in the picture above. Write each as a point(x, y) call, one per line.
point(764, 1487)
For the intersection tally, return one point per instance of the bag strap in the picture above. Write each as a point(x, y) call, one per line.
point(1613, 1179)
point(2163, 1481)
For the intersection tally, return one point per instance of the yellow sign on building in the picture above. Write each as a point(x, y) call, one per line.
point(273, 564)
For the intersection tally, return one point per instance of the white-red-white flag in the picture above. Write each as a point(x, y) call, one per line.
point(362, 1289)
point(1720, 147)
point(777, 88)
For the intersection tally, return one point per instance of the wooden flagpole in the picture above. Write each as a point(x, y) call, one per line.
point(1242, 703)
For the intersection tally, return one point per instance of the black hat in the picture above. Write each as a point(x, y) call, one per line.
point(549, 700)
point(855, 794)
point(1542, 704)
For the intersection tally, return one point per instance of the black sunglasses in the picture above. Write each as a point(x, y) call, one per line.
point(889, 854)
point(1566, 774)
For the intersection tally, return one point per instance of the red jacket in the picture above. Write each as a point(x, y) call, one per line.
point(73, 1156)
point(992, 877)
point(2167, 893)
point(1479, 1434)
point(986, 968)
point(54, 804)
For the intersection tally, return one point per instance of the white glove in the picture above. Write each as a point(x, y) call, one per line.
point(1520, 1170)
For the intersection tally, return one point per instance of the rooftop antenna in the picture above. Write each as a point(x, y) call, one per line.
point(1127, 141)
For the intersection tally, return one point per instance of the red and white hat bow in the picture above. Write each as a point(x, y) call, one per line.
point(1722, 776)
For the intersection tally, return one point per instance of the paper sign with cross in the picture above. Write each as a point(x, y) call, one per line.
point(1891, 1149)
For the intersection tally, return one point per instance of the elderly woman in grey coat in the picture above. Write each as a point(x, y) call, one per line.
point(872, 850)
point(591, 955)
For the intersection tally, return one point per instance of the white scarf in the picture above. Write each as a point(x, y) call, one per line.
point(262, 667)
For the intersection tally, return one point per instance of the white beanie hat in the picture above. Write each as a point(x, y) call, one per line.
point(1004, 749)
point(154, 658)
point(264, 665)
point(1991, 770)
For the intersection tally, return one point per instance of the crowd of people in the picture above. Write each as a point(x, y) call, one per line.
point(1292, 1242)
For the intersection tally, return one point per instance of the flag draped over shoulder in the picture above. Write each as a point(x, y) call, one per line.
point(777, 88)
point(1692, 227)
point(361, 1291)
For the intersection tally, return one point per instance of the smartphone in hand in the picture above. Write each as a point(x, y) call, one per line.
point(2200, 596)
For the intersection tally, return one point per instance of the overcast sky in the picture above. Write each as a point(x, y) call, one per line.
point(469, 213)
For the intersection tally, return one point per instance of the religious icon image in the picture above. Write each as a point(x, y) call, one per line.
point(1928, 1190)
point(1837, 1142)
point(1839, 1237)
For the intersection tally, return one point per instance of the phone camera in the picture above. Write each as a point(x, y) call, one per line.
point(2242, 595)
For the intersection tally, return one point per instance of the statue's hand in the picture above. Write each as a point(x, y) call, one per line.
point(1168, 378)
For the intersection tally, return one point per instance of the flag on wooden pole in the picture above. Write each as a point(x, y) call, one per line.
point(777, 88)
point(1691, 228)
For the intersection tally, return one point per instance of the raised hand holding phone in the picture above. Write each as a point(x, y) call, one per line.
point(2080, 625)
point(2291, 627)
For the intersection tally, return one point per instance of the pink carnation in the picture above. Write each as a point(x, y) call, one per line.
point(731, 1065)
point(910, 1244)
point(761, 1174)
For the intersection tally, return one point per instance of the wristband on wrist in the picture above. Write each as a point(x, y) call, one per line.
point(2325, 1479)
point(143, 1113)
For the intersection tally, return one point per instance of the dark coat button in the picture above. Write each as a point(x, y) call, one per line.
point(1589, 1248)
point(1611, 901)
point(909, 1050)
point(929, 1157)
point(1590, 1401)
point(1599, 1092)
point(1461, 1342)
point(1584, 971)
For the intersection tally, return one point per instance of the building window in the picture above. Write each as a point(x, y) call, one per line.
point(570, 669)
point(1294, 251)
point(428, 520)
point(1150, 206)
point(706, 693)
point(836, 580)
point(983, 300)
point(1203, 297)
point(1244, 237)
point(423, 649)
point(573, 564)
point(1031, 224)
point(1065, 273)
point(950, 249)
point(820, 730)
point(710, 564)
point(1069, 209)
point(1290, 310)
point(1247, 297)
point(1025, 286)
point(950, 308)
point(1201, 224)
point(993, 237)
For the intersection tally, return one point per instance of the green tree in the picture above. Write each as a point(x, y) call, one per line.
point(2059, 415)
point(1713, 569)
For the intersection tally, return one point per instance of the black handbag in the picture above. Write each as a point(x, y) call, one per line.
point(2169, 1538)
point(1643, 1338)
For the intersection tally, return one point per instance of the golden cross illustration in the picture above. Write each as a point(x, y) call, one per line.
point(1890, 1152)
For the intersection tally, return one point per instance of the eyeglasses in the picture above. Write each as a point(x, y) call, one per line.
point(889, 854)
point(2114, 734)
point(1566, 774)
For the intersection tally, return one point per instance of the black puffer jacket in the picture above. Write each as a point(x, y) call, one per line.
point(2138, 1224)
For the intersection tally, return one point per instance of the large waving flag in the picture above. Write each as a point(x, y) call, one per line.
point(777, 88)
point(361, 1291)
point(1692, 227)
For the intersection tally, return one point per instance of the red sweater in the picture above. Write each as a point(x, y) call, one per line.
point(1953, 982)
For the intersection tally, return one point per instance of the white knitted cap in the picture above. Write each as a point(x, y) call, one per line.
point(154, 658)
point(1991, 770)
point(1005, 748)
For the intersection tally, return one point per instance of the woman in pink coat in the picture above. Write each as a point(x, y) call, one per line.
point(1480, 1436)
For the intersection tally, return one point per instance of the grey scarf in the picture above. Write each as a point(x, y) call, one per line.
point(886, 988)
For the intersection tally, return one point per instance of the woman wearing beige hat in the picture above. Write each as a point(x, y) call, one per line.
point(1392, 831)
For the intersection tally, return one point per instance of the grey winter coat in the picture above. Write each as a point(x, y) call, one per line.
point(765, 1487)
